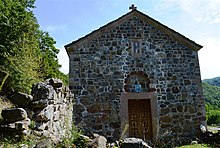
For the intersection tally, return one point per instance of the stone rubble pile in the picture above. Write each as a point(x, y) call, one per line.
point(46, 112)
point(15, 121)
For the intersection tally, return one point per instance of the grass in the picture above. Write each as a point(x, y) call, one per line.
point(196, 146)
point(4, 103)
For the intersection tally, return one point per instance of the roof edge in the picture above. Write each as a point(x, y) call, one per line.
point(97, 32)
point(176, 35)
point(163, 28)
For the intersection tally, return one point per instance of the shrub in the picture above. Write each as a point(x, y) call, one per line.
point(213, 117)
point(74, 140)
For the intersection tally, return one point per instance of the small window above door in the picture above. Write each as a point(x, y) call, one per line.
point(136, 48)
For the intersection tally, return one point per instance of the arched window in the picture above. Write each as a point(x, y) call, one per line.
point(137, 82)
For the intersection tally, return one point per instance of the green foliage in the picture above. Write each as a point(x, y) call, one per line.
point(16, 23)
point(64, 78)
point(196, 146)
point(18, 47)
point(212, 96)
point(213, 117)
point(15, 142)
point(23, 69)
point(80, 142)
point(28, 55)
point(212, 101)
point(75, 139)
point(32, 124)
point(49, 63)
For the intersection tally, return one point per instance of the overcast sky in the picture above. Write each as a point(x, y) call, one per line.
point(199, 20)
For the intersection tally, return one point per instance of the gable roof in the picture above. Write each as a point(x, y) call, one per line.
point(170, 32)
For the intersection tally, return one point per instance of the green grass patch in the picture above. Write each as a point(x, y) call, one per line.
point(196, 146)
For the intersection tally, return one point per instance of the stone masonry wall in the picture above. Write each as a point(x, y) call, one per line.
point(107, 66)
point(45, 113)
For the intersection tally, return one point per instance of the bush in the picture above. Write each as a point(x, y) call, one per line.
point(74, 140)
point(213, 117)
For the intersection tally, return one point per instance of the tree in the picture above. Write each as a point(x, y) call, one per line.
point(19, 44)
point(28, 55)
point(49, 64)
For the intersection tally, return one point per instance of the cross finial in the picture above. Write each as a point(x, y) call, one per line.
point(132, 7)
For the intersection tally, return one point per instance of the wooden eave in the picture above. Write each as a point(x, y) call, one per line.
point(96, 33)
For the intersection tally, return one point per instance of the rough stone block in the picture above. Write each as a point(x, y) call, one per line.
point(45, 115)
point(16, 127)
point(21, 99)
point(57, 129)
point(98, 141)
point(166, 119)
point(42, 91)
point(40, 104)
point(38, 133)
point(56, 83)
point(40, 126)
point(14, 114)
point(44, 144)
point(56, 115)
point(22, 124)
point(30, 113)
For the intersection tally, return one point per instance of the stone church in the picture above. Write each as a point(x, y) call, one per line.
point(135, 77)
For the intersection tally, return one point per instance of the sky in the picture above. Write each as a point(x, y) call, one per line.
point(198, 20)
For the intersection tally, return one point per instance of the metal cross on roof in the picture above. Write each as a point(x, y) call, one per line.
point(132, 7)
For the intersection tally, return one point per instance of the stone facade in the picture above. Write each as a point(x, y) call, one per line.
point(136, 57)
point(45, 113)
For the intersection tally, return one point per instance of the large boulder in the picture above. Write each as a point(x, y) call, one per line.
point(21, 99)
point(134, 143)
point(13, 114)
point(42, 91)
point(98, 141)
point(39, 104)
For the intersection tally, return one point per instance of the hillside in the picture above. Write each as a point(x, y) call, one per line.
point(214, 81)
point(212, 95)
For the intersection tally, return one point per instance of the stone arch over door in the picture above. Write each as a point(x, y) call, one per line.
point(145, 97)
point(137, 78)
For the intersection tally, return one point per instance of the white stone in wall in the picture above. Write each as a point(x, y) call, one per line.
point(40, 126)
point(56, 115)
point(46, 114)
point(47, 133)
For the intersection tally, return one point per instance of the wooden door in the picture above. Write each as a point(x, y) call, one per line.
point(140, 120)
